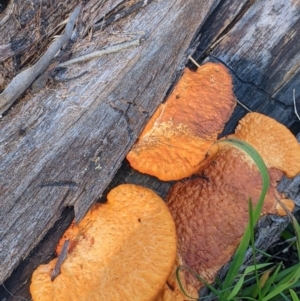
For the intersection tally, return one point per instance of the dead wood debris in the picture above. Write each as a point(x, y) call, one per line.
point(106, 50)
point(42, 80)
point(24, 79)
point(7, 13)
point(61, 258)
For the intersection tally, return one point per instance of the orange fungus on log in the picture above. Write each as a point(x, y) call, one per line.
point(121, 250)
point(210, 211)
point(275, 143)
point(179, 134)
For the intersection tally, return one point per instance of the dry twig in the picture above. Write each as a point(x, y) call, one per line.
point(8, 12)
point(24, 79)
point(194, 61)
point(107, 50)
point(61, 258)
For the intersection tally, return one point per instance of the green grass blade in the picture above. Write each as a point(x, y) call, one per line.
point(218, 284)
point(240, 253)
point(282, 297)
point(264, 254)
point(216, 292)
point(294, 275)
point(286, 272)
point(251, 223)
point(249, 270)
point(250, 284)
point(296, 285)
point(294, 295)
point(297, 233)
point(295, 226)
point(285, 283)
point(270, 281)
point(180, 284)
point(236, 288)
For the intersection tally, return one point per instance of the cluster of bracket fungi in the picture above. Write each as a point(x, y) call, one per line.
point(129, 247)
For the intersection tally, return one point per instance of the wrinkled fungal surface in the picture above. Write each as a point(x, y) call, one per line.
point(121, 250)
point(211, 210)
point(179, 134)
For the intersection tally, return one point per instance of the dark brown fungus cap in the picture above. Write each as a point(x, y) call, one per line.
point(211, 211)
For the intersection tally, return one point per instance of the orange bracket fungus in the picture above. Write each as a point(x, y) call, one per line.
point(121, 250)
point(275, 143)
point(176, 139)
point(210, 210)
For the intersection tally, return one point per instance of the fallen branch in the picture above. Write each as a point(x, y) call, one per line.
point(61, 258)
point(23, 80)
point(7, 13)
point(107, 50)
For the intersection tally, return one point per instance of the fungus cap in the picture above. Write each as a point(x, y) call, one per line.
point(210, 210)
point(274, 142)
point(121, 250)
point(177, 137)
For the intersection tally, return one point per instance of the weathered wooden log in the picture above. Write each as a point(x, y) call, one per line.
point(63, 145)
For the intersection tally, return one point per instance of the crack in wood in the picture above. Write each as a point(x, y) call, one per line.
point(59, 184)
point(214, 18)
point(121, 11)
point(99, 150)
point(251, 84)
point(124, 114)
point(235, 20)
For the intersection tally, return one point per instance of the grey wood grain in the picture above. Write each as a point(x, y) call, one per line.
point(62, 146)
point(262, 51)
point(222, 19)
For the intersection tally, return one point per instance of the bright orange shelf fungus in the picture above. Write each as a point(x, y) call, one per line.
point(283, 152)
point(211, 212)
point(176, 139)
point(121, 250)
